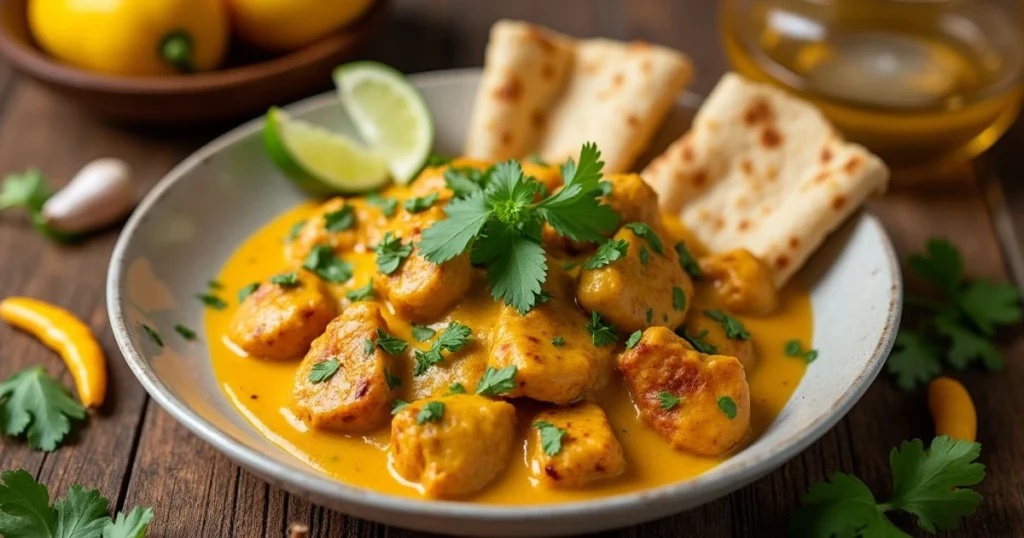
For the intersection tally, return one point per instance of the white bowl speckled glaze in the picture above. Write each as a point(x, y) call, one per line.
point(190, 223)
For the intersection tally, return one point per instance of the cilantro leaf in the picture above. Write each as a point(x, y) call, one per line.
point(214, 285)
point(339, 221)
point(698, 342)
point(645, 257)
point(153, 335)
point(454, 337)
point(940, 264)
point(516, 265)
point(420, 204)
point(422, 333)
point(634, 339)
point(466, 181)
point(931, 484)
point(37, 405)
point(728, 406)
point(397, 406)
point(438, 159)
point(25, 506)
point(644, 231)
point(914, 362)
point(668, 401)
point(296, 230)
point(966, 347)
point(286, 280)
point(185, 332)
point(362, 293)
point(451, 340)
point(794, 348)
point(576, 210)
point(495, 382)
point(388, 206)
point(324, 371)
point(988, 304)
point(134, 525)
point(246, 291)
point(558, 341)
point(431, 412)
point(212, 301)
point(842, 507)
point(323, 262)
point(27, 190)
point(601, 333)
point(456, 388)
point(609, 251)
point(368, 347)
point(392, 380)
point(733, 327)
point(391, 252)
point(550, 437)
point(678, 298)
point(687, 261)
point(424, 360)
point(390, 344)
point(81, 513)
point(448, 238)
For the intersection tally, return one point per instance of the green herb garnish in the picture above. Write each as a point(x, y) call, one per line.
point(733, 327)
point(185, 332)
point(388, 206)
point(362, 293)
point(322, 371)
point(550, 437)
point(393, 381)
point(422, 333)
point(728, 406)
point(644, 231)
point(668, 401)
point(451, 340)
point(37, 406)
point(687, 261)
point(431, 412)
point(153, 335)
point(397, 405)
point(794, 348)
point(323, 262)
point(212, 301)
point(246, 291)
point(678, 298)
point(391, 252)
point(601, 333)
point(697, 341)
point(295, 230)
point(495, 382)
point(390, 344)
point(286, 280)
point(634, 339)
point(421, 204)
point(456, 388)
point(558, 341)
point(608, 252)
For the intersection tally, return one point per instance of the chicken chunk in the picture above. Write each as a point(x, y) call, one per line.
point(633, 199)
point(589, 449)
point(352, 225)
point(454, 445)
point(557, 371)
point(743, 282)
point(699, 403)
point(279, 322)
point(632, 295)
point(420, 290)
point(707, 336)
point(356, 396)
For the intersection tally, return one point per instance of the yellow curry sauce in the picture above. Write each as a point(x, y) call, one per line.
point(261, 389)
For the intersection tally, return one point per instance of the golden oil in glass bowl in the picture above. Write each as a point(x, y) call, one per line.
point(926, 84)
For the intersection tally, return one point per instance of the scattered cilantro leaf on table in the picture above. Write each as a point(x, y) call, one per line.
point(500, 223)
point(550, 437)
point(931, 484)
point(25, 512)
point(989, 305)
point(36, 405)
point(913, 361)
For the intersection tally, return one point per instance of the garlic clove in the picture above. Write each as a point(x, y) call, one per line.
point(99, 194)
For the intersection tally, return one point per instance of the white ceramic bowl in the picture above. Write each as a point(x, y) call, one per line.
point(190, 223)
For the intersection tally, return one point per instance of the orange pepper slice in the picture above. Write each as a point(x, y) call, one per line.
point(952, 409)
point(64, 333)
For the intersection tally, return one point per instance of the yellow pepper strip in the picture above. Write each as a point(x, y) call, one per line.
point(952, 409)
point(64, 333)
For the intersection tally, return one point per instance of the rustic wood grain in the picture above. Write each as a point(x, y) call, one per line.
point(135, 453)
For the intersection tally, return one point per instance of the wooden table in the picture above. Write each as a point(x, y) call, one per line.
point(137, 455)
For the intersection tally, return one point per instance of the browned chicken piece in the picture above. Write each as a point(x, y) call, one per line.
point(356, 396)
point(632, 295)
point(557, 371)
point(700, 403)
point(633, 199)
point(419, 290)
point(279, 322)
point(453, 445)
point(707, 336)
point(589, 449)
point(343, 225)
point(743, 282)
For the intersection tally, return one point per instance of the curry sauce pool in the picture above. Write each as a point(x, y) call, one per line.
point(261, 389)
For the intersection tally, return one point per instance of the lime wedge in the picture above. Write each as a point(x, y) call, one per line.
point(389, 113)
point(319, 161)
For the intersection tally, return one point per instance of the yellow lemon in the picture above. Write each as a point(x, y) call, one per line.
point(132, 37)
point(284, 25)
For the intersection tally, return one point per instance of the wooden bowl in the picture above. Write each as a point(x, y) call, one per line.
point(248, 85)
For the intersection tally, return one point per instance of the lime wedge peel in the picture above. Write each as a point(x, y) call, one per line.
point(319, 161)
point(389, 113)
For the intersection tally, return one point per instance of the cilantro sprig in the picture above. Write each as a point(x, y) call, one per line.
point(931, 484)
point(958, 328)
point(37, 406)
point(451, 340)
point(26, 512)
point(500, 224)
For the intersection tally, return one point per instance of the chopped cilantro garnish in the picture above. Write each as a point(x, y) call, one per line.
point(397, 405)
point(286, 280)
point(678, 298)
point(550, 437)
point(687, 261)
point(431, 412)
point(153, 335)
point(362, 293)
point(649, 315)
point(634, 339)
point(438, 159)
point(393, 381)
point(246, 291)
point(466, 181)
point(390, 344)
point(368, 346)
point(185, 332)
point(388, 206)
point(295, 230)
point(322, 371)
point(733, 327)
point(506, 214)
point(323, 262)
point(794, 348)
point(601, 333)
point(668, 401)
point(495, 382)
point(728, 406)
point(391, 252)
point(452, 339)
point(421, 204)
point(608, 252)
point(558, 341)
point(456, 388)
point(214, 285)
point(697, 341)
point(212, 301)
point(644, 231)
point(339, 221)
point(422, 333)
point(645, 257)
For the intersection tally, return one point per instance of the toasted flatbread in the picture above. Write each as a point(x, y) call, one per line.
point(763, 171)
point(547, 93)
